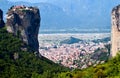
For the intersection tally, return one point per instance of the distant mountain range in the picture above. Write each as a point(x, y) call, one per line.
point(67, 14)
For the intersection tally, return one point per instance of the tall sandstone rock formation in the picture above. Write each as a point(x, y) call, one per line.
point(2, 24)
point(115, 33)
point(24, 22)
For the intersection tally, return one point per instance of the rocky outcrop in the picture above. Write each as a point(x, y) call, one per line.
point(2, 24)
point(115, 33)
point(116, 17)
point(24, 22)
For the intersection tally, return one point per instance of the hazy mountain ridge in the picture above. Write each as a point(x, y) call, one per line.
point(68, 14)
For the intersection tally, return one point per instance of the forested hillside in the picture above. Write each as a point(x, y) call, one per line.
point(15, 63)
point(110, 69)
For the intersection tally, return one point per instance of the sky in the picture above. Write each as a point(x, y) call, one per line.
point(32, 1)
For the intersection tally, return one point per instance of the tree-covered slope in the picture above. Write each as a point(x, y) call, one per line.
point(110, 69)
point(15, 63)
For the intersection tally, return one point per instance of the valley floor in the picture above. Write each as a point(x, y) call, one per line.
point(92, 49)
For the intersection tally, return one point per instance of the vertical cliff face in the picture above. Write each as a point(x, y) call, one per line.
point(1, 19)
point(115, 33)
point(24, 22)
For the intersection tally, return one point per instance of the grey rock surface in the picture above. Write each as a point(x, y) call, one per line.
point(116, 16)
point(2, 24)
point(115, 31)
point(24, 22)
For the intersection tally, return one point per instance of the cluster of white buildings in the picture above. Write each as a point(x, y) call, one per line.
point(75, 55)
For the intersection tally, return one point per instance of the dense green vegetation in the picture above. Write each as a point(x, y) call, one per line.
point(111, 69)
point(15, 63)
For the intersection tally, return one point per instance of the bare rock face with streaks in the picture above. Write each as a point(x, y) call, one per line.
point(115, 33)
point(2, 24)
point(24, 22)
point(116, 17)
